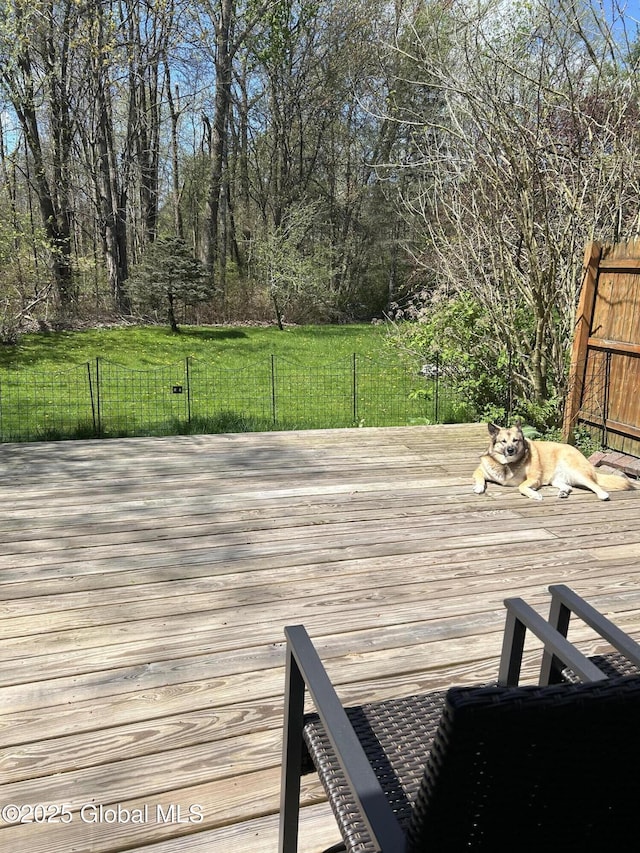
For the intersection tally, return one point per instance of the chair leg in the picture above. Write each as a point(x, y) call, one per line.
point(550, 668)
point(512, 650)
point(291, 757)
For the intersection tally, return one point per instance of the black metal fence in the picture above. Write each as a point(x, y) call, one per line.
point(102, 398)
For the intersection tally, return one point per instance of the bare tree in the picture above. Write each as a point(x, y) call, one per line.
point(173, 101)
point(224, 19)
point(518, 168)
point(284, 258)
point(110, 177)
point(34, 72)
point(318, 85)
point(149, 30)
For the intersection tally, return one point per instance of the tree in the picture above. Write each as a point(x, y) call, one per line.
point(168, 276)
point(123, 62)
point(321, 134)
point(518, 168)
point(110, 181)
point(35, 74)
point(285, 259)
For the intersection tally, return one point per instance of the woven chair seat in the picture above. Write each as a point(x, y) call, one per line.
point(396, 736)
point(613, 664)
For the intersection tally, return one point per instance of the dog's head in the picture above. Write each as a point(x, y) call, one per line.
point(507, 445)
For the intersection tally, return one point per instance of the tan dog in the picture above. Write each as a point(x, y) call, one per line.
point(513, 460)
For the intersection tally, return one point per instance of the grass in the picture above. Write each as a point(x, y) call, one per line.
point(147, 381)
point(225, 346)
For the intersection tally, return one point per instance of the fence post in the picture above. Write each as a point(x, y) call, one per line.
point(98, 400)
point(437, 390)
point(273, 387)
point(187, 375)
point(93, 404)
point(605, 402)
point(354, 389)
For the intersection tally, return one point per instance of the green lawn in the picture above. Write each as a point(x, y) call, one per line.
point(147, 381)
point(225, 346)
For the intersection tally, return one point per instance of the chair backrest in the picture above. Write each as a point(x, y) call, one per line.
point(532, 769)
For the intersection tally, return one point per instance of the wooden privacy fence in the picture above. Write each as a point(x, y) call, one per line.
point(604, 383)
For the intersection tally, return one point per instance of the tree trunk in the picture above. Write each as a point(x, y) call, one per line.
point(171, 316)
point(55, 220)
point(112, 200)
point(174, 112)
point(538, 362)
point(278, 311)
point(221, 113)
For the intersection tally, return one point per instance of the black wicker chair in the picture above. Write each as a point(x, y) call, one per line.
point(624, 660)
point(487, 768)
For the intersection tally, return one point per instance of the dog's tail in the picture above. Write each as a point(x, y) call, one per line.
point(615, 482)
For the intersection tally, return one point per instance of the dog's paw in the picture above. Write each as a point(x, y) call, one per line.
point(563, 494)
point(479, 490)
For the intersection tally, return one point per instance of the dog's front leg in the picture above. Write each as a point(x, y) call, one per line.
point(528, 488)
point(479, 480)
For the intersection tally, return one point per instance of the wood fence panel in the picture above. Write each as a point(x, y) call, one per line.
point(604, 386)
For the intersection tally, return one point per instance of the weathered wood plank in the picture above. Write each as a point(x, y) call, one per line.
point(181, 813)
point(143, 610)
point(318, 832)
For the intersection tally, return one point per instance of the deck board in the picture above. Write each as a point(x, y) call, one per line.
point(145, 584)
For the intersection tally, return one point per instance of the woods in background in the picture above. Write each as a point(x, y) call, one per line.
point(324, 162)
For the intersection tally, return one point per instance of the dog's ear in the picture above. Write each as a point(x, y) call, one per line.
point(493, 430)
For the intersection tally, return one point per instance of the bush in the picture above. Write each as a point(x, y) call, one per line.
point(456, 335)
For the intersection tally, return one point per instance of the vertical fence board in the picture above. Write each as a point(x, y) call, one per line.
point(604, 383)
point(581, 333)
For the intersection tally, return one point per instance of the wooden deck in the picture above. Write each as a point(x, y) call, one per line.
point(145, 583)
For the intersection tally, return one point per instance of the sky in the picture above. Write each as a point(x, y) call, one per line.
point(629, 10)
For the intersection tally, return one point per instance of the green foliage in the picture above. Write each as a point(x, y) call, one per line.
point(584, 438)
point(587, 441)
point(283, 22)
point(22, 288)
point(168, 276)
point(285, 258)
point(545, 415)
point(493, 414)
point(455, 332)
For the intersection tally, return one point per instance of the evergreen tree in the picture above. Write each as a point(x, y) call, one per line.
point(167, 276)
